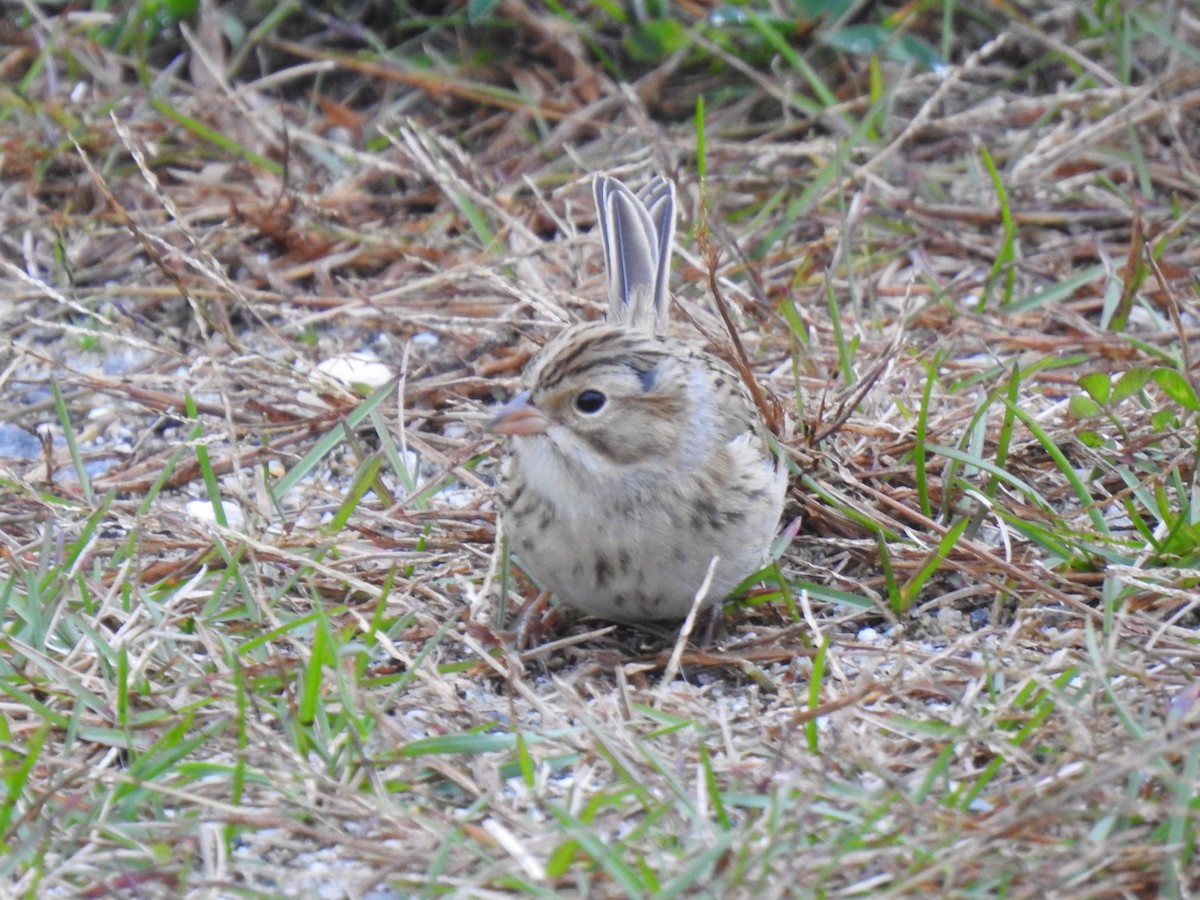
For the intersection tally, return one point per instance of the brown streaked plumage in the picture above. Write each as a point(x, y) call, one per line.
point(635, 458)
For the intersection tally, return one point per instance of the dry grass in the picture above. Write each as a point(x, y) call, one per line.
point(973, 672)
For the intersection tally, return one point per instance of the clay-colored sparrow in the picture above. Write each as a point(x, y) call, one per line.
point(635, 459)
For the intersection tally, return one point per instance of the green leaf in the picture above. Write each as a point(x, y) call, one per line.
point(1098, 385)
point(1130, 383)
point(478, 10)
point(829, 10)
point(1163, 420)
point(1177, 388)
point(651, 41)
point(1081, 407)
point(180, 9)
point(562, 858)
point(858, 38)
point(898, 46)
point(525, 760)
point(1182, 541)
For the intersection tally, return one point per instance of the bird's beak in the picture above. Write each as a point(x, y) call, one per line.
point(518, 416)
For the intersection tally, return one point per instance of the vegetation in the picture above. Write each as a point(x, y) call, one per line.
point(256, 624)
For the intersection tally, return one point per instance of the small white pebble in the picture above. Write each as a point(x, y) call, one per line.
point(202, 511)
point(458, 498)
point(1140, 318)
point(356, 370)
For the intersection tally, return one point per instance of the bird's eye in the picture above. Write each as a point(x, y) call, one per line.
point(590, 402)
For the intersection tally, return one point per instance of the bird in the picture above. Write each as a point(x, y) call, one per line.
point(636, 462)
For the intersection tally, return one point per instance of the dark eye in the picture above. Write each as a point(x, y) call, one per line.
point(590, 402)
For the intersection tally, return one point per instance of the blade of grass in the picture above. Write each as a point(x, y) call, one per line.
point(1006, 255)
point(1063, 465)
point(815, 682)
point(214, 137)
point(845, 353)
point(920, 476)
point(64, 419)
point(912, 589)
point(322, 448)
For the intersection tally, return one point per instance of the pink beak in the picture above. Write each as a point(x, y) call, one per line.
point(518, 416)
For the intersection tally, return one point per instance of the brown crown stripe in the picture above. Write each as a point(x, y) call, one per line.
point(605, 351)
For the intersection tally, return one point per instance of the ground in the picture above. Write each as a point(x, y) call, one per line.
point(264, 277)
